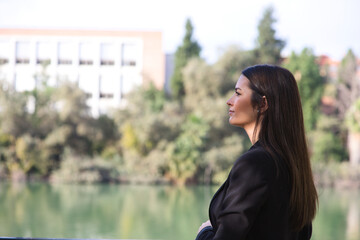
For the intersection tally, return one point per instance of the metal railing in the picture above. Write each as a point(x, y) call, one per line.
point(29, 238)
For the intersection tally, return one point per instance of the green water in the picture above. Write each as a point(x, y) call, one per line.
point(140, 212)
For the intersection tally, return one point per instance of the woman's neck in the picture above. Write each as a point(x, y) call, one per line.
point(250, 132)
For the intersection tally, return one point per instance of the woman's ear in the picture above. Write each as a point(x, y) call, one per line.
point(264, 104)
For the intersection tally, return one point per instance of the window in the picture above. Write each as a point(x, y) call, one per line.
point(65, 53)
point(4, 53)
point(22, 52)
point(107, 54)
point(86, 55)
point(24, 82)
point(89, 84)
point(43, 53)
point(107, 95)
point(129, 82)
point(107, 86)
point(129, 54)
point(3, 61)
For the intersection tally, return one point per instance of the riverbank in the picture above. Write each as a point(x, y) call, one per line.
point(337, 175)
point(330, 175)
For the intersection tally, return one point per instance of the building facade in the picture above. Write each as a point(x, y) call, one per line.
point(105, 64)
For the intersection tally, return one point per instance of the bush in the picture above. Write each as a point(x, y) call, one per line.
point(77, 169)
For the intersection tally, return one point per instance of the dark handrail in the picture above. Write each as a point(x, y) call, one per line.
point(29, 238)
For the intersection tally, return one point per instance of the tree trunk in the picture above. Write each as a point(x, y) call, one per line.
point(354, 148)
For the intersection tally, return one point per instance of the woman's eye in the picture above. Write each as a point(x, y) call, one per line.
point(237, 93)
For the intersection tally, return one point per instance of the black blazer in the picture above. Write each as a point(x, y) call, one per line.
point(253, 202)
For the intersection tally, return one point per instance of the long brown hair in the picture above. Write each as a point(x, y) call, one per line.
point(281, 131)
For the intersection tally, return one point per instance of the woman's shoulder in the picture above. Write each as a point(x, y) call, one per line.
point(256, 161)
point(257, 154)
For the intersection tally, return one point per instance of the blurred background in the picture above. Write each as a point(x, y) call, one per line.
point(114, 121)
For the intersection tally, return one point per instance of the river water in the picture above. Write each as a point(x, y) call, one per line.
point(141, 212)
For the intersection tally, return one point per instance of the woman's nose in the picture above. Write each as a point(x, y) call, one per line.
point(229, 102)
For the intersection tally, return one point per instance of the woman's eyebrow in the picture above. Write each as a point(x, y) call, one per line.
point(237, 88)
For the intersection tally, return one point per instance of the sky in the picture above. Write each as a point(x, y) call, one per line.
point(329, 27)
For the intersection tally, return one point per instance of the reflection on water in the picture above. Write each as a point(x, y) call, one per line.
point(338, 216)
point(102, 211)
point(143, 212)
point(353, 223)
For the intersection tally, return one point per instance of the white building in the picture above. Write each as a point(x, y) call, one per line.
point(106, 64)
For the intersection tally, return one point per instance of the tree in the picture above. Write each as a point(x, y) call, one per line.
point(189, 49)
point(326, 143)
point(348, 104)
point(269, 47)
point(209, 86)
point(42, 114)
point(74, 126)
point(310, 83)
point(14, 119)
point(185, 153)
point(348, 85)
point(229, 66)
point(353, 124)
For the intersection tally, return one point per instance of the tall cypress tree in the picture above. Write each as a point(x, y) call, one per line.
point(189, 49)
point(310, 83)
point(268, 47)
point(348, 88)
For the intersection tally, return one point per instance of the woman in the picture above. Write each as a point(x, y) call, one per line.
point(270, 192)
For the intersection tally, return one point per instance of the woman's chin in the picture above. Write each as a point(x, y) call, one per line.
point(234, 123)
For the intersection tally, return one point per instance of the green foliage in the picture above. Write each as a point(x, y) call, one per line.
point(14, 119)
point(347, 68)
point(141, 101)
point(5, 140)
point(269, 47)
point(197, 82)
point(76, 169)
point(186, 151)
point(310, 83)
point(50, 132)
point(26, 151)
point(353, 117)
point(156, 98)
point(146, 118)
point(58, 136)
point(71, 103)
point(74, 123)
point(228, 68)
point(37, 125)
point(129, 139)
point(218, 160)
point(326, 143)
point(105, 136)
point(189, 49)
point(348, 86)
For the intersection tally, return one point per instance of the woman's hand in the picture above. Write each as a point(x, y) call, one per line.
point(205, 224)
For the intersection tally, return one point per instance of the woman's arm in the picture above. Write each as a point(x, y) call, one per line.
point(249, 186)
